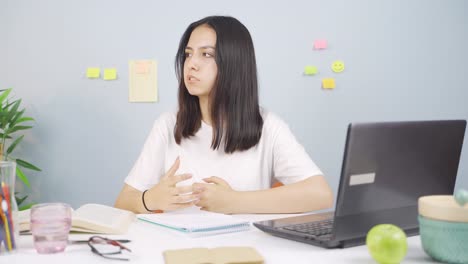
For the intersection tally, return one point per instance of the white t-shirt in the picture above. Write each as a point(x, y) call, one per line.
point(277, 155)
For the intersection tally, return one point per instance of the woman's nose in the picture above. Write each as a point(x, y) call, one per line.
point(193, 63)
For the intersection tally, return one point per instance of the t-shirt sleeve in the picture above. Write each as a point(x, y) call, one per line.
point(291, 163)
point(149, 167)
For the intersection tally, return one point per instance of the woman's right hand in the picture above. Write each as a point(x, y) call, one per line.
point(166, 196)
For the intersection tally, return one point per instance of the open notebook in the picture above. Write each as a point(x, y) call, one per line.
point(90, 218)
point(196, 223)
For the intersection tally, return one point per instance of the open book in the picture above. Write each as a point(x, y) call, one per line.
point(201, 223)
point(220, 255)
point(90, 218)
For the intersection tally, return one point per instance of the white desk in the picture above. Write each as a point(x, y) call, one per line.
point(149, 241)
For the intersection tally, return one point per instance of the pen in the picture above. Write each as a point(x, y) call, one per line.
point(86, 241)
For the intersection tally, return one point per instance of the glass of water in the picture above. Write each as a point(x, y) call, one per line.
point(50, 225)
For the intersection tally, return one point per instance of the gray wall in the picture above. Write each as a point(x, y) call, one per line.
point(405, 60)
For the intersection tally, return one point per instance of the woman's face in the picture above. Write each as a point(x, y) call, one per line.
point(200, 69)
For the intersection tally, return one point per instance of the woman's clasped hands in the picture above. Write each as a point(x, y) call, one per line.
point(214, 194)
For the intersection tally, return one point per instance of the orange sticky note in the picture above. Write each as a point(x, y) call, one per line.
point(328, 83)
point(320, 44)
point(143, 81)
point(142, 67)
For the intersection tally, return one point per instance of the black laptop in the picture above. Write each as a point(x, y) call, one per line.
point(386, 167)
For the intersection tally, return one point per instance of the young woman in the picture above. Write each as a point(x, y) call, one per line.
point(221, 151)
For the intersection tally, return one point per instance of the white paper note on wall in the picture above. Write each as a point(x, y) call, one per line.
point(143, 85)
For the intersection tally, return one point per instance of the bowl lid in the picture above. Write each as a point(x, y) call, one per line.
point(442, 207)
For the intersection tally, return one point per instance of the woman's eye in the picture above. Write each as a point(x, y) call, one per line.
point(188, 54)
point(208, 55)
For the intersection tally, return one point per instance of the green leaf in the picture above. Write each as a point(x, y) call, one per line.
point(9, 104)
point(15, 117)
point(13, 145)
point(19, 201)
point(27, 165)
point(1, 135)
point(26, 207)
point(16, 128)
point(5, 94)
point(22, 177)
point(24, 119)
point(13, 110)
point(6, 119)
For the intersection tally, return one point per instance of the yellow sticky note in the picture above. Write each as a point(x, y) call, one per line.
point(92, 73)
point(143, 86)
point(110, 74)
point(328, 83)
point(310, 70)
point(337, 66)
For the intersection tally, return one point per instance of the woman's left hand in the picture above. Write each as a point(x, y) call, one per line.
point(216, 195)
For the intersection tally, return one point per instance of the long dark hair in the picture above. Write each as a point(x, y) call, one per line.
point(235, 111)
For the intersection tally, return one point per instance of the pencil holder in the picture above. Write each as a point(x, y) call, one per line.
point(9, 230)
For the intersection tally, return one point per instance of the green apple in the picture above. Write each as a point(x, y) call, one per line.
point(387, 243)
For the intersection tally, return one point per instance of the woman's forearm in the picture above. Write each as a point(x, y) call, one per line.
point(130, 199)
point(304, 196)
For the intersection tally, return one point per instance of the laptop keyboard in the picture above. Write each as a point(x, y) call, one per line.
point(319, 228)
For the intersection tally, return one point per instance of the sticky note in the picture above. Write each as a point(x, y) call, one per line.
point(110, 74)
point(310, 70)
point(320, 44)
point(142, 67)
point(328, 83)
point(143, 85)
point(92, 73)
point(337, 66)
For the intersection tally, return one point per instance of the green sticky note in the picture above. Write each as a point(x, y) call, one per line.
point(110, 74)
point(310, 70)
point(92, 73)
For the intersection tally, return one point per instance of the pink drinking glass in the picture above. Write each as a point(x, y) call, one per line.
point(50, 225)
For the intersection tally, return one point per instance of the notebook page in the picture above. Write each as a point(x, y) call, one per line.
point(101, 219)
point(195, 222)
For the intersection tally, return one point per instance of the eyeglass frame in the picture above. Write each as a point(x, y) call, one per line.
point(111, 242)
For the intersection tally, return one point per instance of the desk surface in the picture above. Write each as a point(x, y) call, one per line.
point(149, 241)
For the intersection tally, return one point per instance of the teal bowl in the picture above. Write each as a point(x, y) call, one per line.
point(443, 240)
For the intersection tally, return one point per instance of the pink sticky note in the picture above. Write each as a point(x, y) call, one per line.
point(142, 67)
point(320, 44)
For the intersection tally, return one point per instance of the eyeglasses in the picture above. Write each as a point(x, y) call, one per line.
point(108, 248)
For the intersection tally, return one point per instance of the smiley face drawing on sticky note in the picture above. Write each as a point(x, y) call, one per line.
point(337, 66)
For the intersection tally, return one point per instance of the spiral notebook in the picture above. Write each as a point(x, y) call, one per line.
point(196, 224)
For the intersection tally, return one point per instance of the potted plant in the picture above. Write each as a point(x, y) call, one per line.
point(12, 120)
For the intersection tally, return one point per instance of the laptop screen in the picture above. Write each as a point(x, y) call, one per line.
point(391, 164)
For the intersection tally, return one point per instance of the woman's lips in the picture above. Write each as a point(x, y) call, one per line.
point(192, 79)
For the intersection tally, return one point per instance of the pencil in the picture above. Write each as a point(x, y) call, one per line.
point(5, 220)
point(6, 192)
